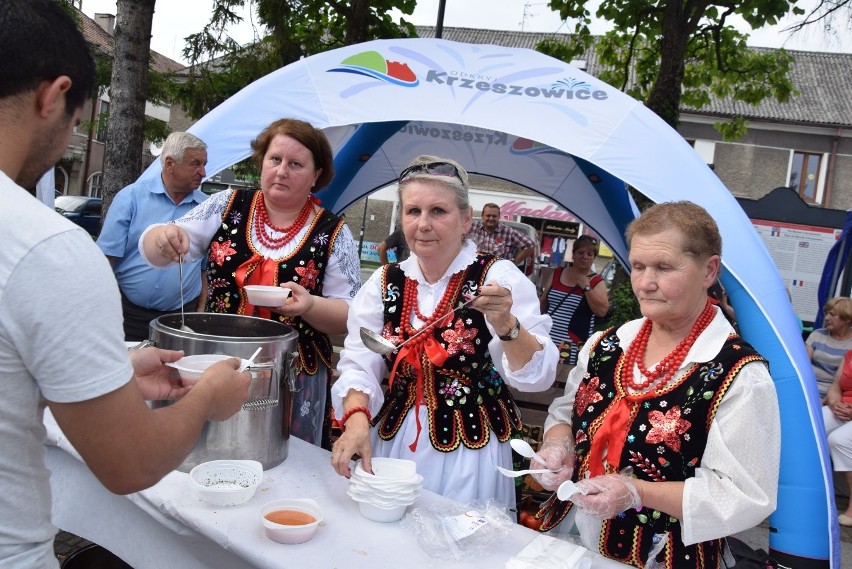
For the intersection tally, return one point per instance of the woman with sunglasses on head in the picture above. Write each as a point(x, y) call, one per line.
point(573, 297)
point(279, 236)
point(447, 407)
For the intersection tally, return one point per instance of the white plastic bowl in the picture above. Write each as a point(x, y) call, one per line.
point(262, 295)
point(226, 482)
point(291, 533)
point(390, 469)
point(378, 514)
point(191, 368)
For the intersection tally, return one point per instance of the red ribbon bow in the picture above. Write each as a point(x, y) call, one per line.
point(412, 354)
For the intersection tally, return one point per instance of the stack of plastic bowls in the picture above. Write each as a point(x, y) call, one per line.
point(384, 495)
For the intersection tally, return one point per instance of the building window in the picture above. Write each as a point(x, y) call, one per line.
point(804, 176)
point(103, 115)
point(95, 188)
point(60, 181)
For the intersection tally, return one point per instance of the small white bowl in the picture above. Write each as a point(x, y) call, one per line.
point(226, 482)
point(191, 368)
point(262, 295)
point(296, 512)
point(378, 514)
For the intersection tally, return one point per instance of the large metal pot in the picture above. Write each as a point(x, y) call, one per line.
point(261, 429)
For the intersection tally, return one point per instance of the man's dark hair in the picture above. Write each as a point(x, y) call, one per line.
point(40, 41)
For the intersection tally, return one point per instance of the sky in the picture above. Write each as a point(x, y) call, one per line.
point(176, 19)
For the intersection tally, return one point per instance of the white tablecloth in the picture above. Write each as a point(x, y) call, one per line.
point(168, 526)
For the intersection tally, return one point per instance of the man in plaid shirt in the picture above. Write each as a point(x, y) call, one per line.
point(491, 236)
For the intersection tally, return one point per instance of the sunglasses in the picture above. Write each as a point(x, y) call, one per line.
point(433, 168)
point(591, 240)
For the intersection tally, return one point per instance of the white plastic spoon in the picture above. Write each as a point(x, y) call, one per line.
point(516, 473)
point(250, 362)
point(568, 489)
point(524, 449)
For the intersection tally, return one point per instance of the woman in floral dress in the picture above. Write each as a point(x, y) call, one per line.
point(280, 236)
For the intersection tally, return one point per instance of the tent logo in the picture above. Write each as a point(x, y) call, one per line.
point(373, 64)
point(525, 146)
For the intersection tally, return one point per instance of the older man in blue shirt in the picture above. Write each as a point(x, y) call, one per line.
point(148, 292)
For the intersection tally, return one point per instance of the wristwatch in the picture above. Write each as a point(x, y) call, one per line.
point(587, 288)
point(513, 333)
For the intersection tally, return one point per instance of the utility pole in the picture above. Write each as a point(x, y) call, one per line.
point(439, 27)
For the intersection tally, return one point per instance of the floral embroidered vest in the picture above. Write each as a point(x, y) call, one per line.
point(465, 397)
point(231, 247)
point(667, 435)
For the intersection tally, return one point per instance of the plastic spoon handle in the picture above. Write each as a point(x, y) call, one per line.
point(524, 449)
point(516, 473)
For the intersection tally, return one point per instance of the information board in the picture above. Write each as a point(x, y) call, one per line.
point(799, 252)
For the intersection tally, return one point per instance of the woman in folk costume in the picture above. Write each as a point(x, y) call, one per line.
point(279, 236)
point(674, 417)
point(448, 407)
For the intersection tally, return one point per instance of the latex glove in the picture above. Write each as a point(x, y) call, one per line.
point(558, 454)
point(604, 497)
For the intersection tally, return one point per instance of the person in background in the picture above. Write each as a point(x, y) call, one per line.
point(826, 346)
point(573, 296)
point(394, 242)
point(448, 408)
point(673, 416)
point(500, 240)
point(836, 416)
point(278, 236)
point(61, 340)
point(146, 292)
point(719, 296)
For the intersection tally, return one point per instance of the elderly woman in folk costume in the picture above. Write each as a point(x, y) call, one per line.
point(448, 407)
point(674, 417)
point(280, 236)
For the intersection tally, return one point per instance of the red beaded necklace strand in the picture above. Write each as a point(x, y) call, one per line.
point(261, 221)
point(669, 365)
point(410, 304)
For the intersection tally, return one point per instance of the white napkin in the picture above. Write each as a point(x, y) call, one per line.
point(545, 552)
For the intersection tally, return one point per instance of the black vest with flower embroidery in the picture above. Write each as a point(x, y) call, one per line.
point(666, 438)
point(231, 247)
point(466, 397)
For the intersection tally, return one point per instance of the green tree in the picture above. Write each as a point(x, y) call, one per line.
point(670, 53)
point(219, 66)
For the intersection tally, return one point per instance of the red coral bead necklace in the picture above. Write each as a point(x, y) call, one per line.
point(669, 365)
point(261, 221)
point(410, 304)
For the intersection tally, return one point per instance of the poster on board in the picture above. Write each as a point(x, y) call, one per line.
point(799, 252)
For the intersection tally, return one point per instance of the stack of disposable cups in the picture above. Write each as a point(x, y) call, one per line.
point(384, 495)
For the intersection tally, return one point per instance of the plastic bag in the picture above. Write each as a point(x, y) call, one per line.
point(460, 530)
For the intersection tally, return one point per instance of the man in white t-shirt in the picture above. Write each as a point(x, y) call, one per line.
point(61, 339)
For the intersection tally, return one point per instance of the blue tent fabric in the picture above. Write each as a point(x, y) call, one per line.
point(837, 257)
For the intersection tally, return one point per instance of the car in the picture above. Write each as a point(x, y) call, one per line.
point(531, 265)
point(85, 211)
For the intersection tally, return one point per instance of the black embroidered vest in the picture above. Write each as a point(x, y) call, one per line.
point(466, 397)
point(231, 247)
point(666, 438)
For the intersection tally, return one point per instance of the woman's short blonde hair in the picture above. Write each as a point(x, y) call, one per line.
point(841, 305)
point(459, 185)
point(701, 237)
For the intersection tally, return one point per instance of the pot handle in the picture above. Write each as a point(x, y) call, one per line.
point(291, 358)
point(274, 390)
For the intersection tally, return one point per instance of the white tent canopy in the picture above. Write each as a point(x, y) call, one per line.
point(525, 117)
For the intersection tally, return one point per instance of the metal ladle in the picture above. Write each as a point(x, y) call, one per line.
point(381, 345)
point(183, 326)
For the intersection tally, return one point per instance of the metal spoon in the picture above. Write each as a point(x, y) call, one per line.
point(183, 326)
point(381, 345)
